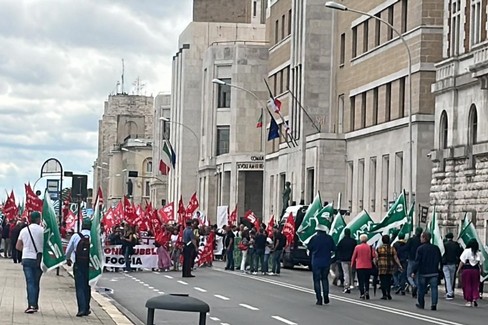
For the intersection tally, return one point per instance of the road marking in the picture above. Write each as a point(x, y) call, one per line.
point(391, 310)
point(248, 307)
point(155, 290)
point(215, 319)
point(156, 272)
point(150, 288)
point(168, 276)
point(182, 282)
point(200, 289)
point(161, 293)
point(283, 320)
point(224, 324)
point(221, 297)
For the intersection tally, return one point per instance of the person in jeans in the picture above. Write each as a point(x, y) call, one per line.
point(260, 246)
point(321, 247)
point(344, 251)
point(401, 274)
point(279, 243)
point(470, 266)
point(362, 259)
point(267, 254)
point(426, 270)
point(450, 261)
point(30, 242)
point(412, 244)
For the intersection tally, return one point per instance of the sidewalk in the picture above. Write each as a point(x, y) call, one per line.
point(57, 302)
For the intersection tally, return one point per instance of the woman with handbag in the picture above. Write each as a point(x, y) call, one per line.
point(363, 259)
point(387, 260)
point(470, 266)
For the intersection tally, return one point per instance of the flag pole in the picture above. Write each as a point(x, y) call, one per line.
point(304, 110)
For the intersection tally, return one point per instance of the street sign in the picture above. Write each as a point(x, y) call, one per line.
point(52, 186)
point(424, 211)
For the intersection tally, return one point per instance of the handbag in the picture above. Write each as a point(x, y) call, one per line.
point(38, 254)
point(241, 246)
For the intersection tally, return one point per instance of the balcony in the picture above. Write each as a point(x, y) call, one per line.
point(479, 68)
point(446, 72)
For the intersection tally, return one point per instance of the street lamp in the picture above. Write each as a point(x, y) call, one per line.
point(223, 83)
point(337, 6)
point(165, 119)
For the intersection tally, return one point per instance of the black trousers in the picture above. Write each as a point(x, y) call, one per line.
point(188, 257)
point(363, 280)
point(16, 255)
point(386, 284)
point(82, 286)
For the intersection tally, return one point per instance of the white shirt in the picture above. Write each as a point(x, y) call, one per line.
point(472, 259)
point(73, 243)
point(38, 234)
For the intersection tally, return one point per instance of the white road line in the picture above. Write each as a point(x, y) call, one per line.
point(215, 319)
point(221, 297)
point(155, 290)
point(161, 293)
point(168, 276)
point(391, 310)
point(283, 320)
point(146, 285)
point(248, 307)
point(182, 282)
point(224, 324)
point(200, 289)
point(150, 288)
point(156, 272)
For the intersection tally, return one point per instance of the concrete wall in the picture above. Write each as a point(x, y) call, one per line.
point(223, 11)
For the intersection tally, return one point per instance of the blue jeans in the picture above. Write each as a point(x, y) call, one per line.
point(230, 260)
point(32, 279)
point(400, 278)
point(449, 271)
point(321, 275)
point(259, 259)
point(276, 265)
point(128, 267)
point(412, 281)
point(266, 263)
point(423, 281)
point(83, 290)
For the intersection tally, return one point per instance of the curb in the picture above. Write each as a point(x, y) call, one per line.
point(117, 316)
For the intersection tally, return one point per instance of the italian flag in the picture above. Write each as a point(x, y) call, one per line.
point(259, 124)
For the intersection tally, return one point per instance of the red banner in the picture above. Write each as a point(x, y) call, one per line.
point(32, 202)
point(289, 230)
point(269, 228)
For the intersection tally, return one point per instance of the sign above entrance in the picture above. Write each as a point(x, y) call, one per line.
point(250, 166)
point(257, 158)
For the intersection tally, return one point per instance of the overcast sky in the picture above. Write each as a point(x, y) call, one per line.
point(59, 60)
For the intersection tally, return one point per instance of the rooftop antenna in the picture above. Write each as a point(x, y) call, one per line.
point(122, 85)
point(138, 86)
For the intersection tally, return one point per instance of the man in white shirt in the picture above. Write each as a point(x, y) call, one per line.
point(31, 242)
point(81, 268)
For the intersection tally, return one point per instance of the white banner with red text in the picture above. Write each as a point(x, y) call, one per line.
point(145, 256)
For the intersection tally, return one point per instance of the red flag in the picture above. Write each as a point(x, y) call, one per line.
point(192, 206)
point(169, 211)
point(269, 228)
point(289, 230)
point(10, 209)
point(129, 211)
point(249, 216)
point(32, 202)
point(181, 212)
point(206, 255)
point(100, 195)
point(108, 221)
point(70, 220)
point(233, 217)
point(163, 168)
point(118, 213)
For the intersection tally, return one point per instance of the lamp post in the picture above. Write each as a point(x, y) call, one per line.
point(165, 119)
point(341, 7)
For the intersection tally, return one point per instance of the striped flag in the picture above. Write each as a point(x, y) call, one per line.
point(259, 124)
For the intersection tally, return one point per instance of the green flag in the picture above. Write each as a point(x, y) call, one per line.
point(435, 232)
point(407, 227)
point(52, 254)
point(315, 215)
point(361, 224)
point(394, 219)
point(469, 232)
point(96, 250)
point(337, 228)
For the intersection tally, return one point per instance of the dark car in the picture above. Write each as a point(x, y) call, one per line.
point(297, 253)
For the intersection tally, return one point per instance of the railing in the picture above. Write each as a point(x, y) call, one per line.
point(446, 71)
point(481, 55)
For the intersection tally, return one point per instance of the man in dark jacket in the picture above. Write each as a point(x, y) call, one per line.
point(321, 247)
point(402, 254)
point(426, 270)
point(412, 244)
point(344, 251)
point(450, 262)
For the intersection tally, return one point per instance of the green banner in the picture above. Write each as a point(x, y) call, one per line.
point(435, 232)
point(96, 249)
point(361, 224)
point(315, 215)
point(469, 232)
point(337, 227)
point(394, 219)
point(52, 254)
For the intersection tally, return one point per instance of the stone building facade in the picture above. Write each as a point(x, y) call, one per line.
point(127, 122)
point(460, 156)
point(371, 99)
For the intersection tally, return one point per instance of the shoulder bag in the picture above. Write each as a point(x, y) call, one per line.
point(38, 254)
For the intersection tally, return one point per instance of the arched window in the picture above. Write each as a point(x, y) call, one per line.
point(473, 125)
point(149, 166)
point(443, 131)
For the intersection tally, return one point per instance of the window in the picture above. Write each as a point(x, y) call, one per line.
point(372, 184)
point(310, 184)
point(254, 8)
point(476, 26)
point(375, 106)
point(354, 41)
point(365, 36)
point(473, 126)
point(287, 78)
point(361, 184)
point(353, 113)
point(224, 94)
point(377, 30)
point(443, 131)
point(363, 110)
point(349, 175)
point(455, 27)
point(399, 172)
point(222, 140)
point(277, 27)
point(281, 81)
point(404, 15)
point(149, 167)
point(390, 21)
point(289, 22)
point(401, 97)
point(283, 27)
point(341, 114)
point(147, 189)
point(343, 49)
point(385, 177)
point(388, 102)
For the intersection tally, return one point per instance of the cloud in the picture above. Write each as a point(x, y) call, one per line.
point(59, 62)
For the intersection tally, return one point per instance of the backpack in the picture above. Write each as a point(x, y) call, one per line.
point(83, 251)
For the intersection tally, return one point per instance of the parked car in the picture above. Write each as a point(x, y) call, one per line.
point(296, 254)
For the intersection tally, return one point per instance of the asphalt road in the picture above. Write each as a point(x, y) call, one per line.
point(235, 298)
